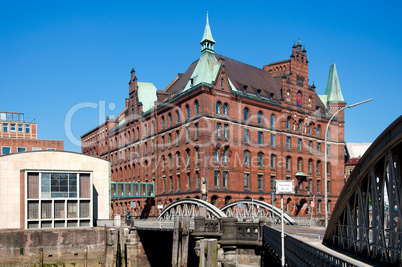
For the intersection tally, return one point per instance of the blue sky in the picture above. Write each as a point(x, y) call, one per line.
point(61, 56)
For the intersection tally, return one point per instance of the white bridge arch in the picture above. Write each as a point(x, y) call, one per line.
point(249, 208)
point(246, 208)
point(189, 207)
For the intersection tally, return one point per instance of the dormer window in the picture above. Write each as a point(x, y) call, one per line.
point(191, 82)
point(244, 89)
point(271, 96)
point(258, 93)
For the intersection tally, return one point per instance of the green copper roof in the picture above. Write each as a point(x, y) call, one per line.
point(333, 89)
point(146, 95)
point(205, 72)
point(207, 33)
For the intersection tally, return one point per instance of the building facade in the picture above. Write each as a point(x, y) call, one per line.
point(353, 153)
point(238, 127)
point(17, 135)
point(53, 189)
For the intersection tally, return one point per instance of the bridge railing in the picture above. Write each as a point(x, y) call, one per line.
point(298, 253)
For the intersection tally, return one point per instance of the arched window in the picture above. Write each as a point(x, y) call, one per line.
point(188, 111)
point(288, 163)
point(222, 83)
point(178, 116)
point(246, 157)
point(178, 159)
point(197, 155)
point(170, 161)
point(259, 116)
point(197, 107)
point(318, 167)
point(170, 119)
point(310, 166)
point(245, 113)
point(288, 123)
point(216, 156)
point(188, 157)
point(163, 163)
point(299, 164)
point(163, 122)
point(318, 130)
point(218, 107)
point(328, 166)
point(299, 125)
point(273, 161)
point(146, 129)
point(310, 126)
point(153, 127)
point(272, 121)
point(260, 159)
point(225, 158)
point(225, 109)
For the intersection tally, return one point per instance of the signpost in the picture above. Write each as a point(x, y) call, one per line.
point(284, 187)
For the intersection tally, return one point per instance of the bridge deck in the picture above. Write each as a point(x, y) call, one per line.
point(314, 235)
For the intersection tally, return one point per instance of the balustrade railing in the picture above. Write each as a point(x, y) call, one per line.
point(299, 253)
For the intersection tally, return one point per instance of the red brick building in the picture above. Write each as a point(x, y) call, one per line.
point(17, 135)
point(238, 126)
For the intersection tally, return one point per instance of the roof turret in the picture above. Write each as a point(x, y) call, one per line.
point(333, 89)
point(207, 42)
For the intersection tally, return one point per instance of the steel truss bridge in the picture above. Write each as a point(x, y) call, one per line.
point(367, 219)
point(247, 208)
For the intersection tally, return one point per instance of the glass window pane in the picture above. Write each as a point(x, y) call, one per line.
point(150, 190)
point(113, 190)
point(33, 210)
point(59, 209)
point(33, 185)
point(120, 190)
point(84, 209)
point(46, 209)
point(72, 209)
point(143, 189)
point(72, 184)
point(135, 190)
point(84, 185)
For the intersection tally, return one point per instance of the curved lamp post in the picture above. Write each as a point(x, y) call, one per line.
point(325, 157)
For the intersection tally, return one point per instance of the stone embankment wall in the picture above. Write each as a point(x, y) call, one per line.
point(96, 246)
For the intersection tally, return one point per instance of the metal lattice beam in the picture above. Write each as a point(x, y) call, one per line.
point(189, 207)
point(249, 208)
point(367, 218)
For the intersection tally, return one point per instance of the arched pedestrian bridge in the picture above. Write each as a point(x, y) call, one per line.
point(241, 209)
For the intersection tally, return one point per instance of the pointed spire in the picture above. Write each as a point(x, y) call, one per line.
point(207, 41)
point(299, 43)
point(333, 89)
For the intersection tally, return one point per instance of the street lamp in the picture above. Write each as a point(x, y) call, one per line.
point(325, 157)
